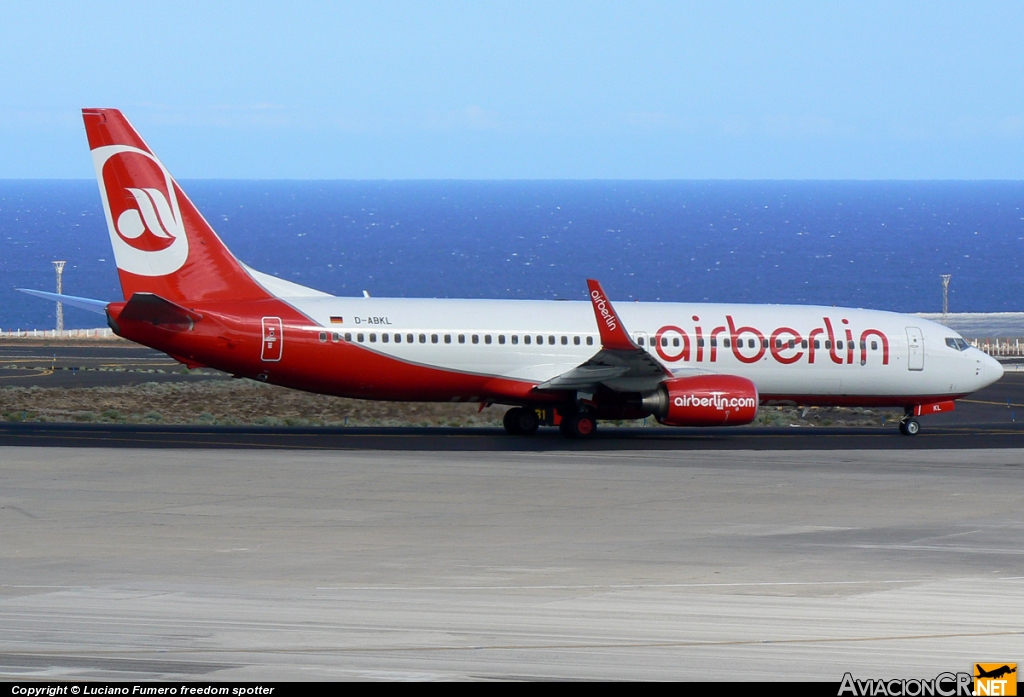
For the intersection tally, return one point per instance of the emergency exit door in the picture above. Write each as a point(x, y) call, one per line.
point(915, 342)
point(273, 339)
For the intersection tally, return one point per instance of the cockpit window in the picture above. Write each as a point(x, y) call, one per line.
point(957, 344)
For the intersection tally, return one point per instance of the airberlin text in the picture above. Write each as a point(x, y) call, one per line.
point(602, 307)
point(716, 400)
point(942, 685)
point(786, 345)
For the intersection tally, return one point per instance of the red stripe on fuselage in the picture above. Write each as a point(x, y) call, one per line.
point(230, 338)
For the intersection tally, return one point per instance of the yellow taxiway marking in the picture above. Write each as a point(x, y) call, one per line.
point(982, 401)
point(43, 372)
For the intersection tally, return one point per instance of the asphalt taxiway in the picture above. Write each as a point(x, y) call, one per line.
point(134, 552)
point(27, 363)
point(255, 565)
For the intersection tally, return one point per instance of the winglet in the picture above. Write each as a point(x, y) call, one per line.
point(613, 333)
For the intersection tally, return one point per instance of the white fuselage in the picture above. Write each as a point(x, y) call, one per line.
point(791, 353)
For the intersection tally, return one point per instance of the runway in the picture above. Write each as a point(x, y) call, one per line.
point(977, 436)
point(25, 363)
point(203, 552)
point(252, 565)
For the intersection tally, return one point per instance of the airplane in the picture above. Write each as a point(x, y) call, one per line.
point(559, 363)
point(994, 673)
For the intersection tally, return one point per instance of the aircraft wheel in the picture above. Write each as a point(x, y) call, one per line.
point(578, 426)
point(910, 427)
point(520, 421)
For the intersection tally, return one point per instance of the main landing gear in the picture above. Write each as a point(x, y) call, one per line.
point(520, 421)
point(578, 425)
point(523, 421)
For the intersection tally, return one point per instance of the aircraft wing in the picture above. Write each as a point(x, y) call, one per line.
point(620, 365)
point(98, 306)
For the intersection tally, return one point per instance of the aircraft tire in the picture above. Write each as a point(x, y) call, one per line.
point(578, 426)
point(910, 427)
point(519, 421)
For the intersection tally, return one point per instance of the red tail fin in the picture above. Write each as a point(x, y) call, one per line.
point(162, 244)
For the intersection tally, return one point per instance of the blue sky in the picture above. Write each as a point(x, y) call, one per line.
point(763, 90)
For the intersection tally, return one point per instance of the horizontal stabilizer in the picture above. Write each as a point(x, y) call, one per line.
point(97, 306)
point(147, 307)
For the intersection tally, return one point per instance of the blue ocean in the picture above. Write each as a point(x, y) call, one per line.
point(864, 244)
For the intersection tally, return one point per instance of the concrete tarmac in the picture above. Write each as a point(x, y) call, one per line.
point(262, 565)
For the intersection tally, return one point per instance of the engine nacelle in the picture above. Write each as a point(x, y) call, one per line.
point(704, 400)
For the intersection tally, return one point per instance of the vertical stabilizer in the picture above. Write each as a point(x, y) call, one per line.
point(162, 244)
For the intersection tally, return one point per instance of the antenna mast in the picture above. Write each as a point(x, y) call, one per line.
point(59, 268)
point(945, 295)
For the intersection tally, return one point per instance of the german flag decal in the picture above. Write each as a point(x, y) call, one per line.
point(337, 320)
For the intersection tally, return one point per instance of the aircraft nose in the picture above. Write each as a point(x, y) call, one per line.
point(991, 369)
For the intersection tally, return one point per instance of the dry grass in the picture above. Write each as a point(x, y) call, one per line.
point(244, 402)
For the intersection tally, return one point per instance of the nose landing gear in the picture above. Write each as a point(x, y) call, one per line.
point(909, 427)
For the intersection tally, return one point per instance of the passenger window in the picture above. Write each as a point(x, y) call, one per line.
point(751, 343)
point(476, 339)
point(551, 340)
point(714, 342)
point(515, 338)
point(423, 338)
point(359, 338)
point(639, 341)
point(335, 337)
point(398, 338)
point(384, 338)
point(447, 338)
point(526, 339)
point(565, 341)
point(792, 343)
point(462, 338)
point(487, 338)
point(540, 340)
point(803, 344)
point(725, 343)
point(373, 338)
point(778, 343)
point(433, 338)
point(323, 337)
point(576, 340)
point(664, 341)
point(828, 344)
point(863, 345)
point(409, 338)
point(590, 341)
point(348, 336)
point(764, 343)
point(874, 345)
point(501, 338)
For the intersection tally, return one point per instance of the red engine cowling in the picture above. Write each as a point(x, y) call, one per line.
point(704, 400)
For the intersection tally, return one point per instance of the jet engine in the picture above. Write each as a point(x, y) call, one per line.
point(703, 400)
